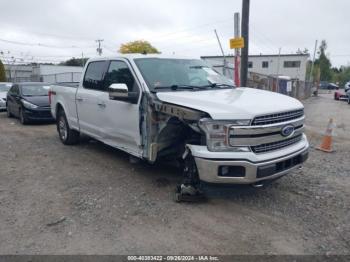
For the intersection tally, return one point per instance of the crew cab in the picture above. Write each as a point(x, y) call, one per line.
point(155, 107)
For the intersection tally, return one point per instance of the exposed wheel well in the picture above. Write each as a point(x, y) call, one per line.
point(59, 108)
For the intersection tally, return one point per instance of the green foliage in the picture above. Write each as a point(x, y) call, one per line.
point(2, 72)
point(75, 62)
point(324, 63)
point(341, 75)
point(138, 47)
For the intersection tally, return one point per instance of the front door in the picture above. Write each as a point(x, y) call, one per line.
point(121, 119)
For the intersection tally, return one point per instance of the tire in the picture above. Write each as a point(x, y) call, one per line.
point(22, 117)
point(349, 100)
point(67, 136)
point(8, 112)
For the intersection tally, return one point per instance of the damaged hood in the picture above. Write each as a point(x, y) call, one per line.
point(237, 103)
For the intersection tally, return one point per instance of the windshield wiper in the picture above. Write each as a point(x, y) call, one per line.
point(183, 87)
point(220, 85)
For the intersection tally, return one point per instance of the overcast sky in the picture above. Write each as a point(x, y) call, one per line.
point(66, 28)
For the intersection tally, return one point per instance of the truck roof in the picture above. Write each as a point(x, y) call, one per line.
point(134, 56)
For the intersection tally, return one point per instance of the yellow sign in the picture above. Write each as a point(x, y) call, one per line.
point(237, 43)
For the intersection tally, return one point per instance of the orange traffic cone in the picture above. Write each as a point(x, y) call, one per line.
point(326, 145)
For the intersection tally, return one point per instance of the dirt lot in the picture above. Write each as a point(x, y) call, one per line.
point(89, 199)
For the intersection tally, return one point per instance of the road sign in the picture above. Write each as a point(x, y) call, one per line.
point(237, 43)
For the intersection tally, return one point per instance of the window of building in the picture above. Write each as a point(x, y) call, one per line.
point(265, 64)
point(93, 78)
point(291, 64)
point(119, 73)
point(250, 64)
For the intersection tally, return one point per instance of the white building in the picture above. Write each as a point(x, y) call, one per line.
point(43, 73)
point(292, 65)
point(57, 73)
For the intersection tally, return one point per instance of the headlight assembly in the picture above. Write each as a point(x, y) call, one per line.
point(217, 134)
point(28, 105)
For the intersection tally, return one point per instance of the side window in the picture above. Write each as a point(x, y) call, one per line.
point(93, 78)
point(14, 90)
point(119, 73)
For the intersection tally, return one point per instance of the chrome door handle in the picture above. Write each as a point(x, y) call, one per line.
point(101, 104)
point(79, 99)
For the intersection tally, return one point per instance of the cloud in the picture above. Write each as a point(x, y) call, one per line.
point(183, 27)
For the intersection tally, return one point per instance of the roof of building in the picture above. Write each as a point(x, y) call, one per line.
point(261, 55)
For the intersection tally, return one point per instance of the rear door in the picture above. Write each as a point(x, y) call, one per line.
point(88, 98)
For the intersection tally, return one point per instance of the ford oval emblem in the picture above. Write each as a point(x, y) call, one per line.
point(287, 130)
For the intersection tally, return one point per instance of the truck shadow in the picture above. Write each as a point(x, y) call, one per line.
point(166, 175)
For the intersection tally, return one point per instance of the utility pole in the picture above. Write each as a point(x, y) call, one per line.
point(278, 69)
point(99, 49)
point(237, 50)
point(245, 35)
point(82, 59)
point(222, 51)
point(311, 78)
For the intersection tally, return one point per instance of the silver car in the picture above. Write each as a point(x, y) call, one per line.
point(4, 88)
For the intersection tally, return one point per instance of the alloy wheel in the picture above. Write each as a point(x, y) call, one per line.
point(62, 128)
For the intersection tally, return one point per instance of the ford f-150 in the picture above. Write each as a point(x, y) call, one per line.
point(156, 107)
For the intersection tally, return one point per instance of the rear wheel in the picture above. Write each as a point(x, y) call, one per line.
point(22, 117)
point(68, 136)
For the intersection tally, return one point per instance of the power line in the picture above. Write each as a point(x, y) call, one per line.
point(40, 44)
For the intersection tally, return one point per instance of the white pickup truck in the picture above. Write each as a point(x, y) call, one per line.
point(156, 107)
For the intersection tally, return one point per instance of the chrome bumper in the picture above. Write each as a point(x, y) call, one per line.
point(209, 169)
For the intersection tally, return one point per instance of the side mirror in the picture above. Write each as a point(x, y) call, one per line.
point(121, 92)
point(117, 91)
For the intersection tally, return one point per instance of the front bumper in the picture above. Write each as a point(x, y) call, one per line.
point(38, 115)
point(248, 168)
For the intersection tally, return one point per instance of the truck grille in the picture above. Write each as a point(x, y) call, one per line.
point(276, 145)
point(278, 118)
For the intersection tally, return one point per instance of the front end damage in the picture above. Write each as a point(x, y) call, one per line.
point(243, 151)
point(167, 130)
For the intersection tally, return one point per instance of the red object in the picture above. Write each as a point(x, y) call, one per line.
point(338, 94)
point(237, 62)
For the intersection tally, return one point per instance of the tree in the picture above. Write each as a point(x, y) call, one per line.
point(138, 47)
point(75, 62)
point(324, 63)
point(2, 72)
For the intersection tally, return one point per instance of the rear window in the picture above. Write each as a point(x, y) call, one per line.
point(93, 78)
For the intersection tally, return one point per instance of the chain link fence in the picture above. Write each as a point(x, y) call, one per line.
point(298, 89)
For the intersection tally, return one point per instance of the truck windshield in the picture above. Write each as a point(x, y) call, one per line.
point(176, 74)
point(35, 90)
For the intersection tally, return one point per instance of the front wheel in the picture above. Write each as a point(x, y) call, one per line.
point(22, 117)
point(67, 136)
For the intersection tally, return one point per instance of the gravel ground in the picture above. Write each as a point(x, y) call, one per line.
point(88, 199)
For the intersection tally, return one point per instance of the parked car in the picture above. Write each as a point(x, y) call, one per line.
point(4, 88)
point(156, 107)
point(348, 95)
point(328, 86)
point(340, 94)
point(29, 102)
